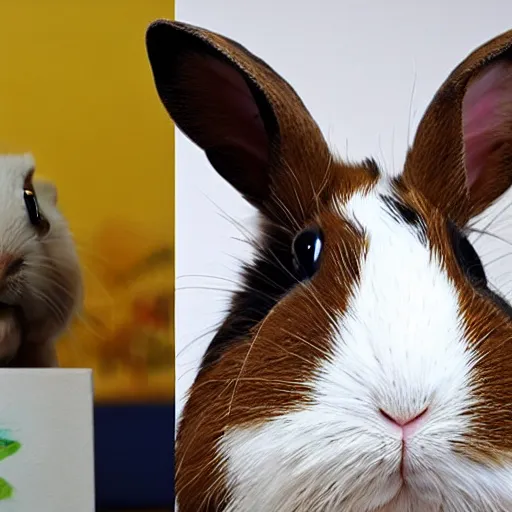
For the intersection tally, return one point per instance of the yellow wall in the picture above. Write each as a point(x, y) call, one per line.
point(76, 90)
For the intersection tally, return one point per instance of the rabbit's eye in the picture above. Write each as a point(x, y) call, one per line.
point(34, 214)
point(467, 257)
point(307, 249)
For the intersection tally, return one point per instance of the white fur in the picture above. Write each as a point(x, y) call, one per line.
point(48, 287)
point(399, 347)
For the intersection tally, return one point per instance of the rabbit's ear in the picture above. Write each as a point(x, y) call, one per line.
point(251, 124)
point(461, 158)
point(46, 190)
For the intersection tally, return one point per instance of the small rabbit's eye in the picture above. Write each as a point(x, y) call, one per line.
point(34, 214)
point(307, 249)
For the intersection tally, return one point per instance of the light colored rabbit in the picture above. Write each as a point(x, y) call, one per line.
point(40, 278)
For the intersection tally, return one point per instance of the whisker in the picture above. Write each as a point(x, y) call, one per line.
point(196, 339)
point(492, 235)
point(499, 258)
point(206, 288)
point(493, 219)
point(251, 346)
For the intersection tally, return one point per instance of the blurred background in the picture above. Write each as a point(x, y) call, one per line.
point(76, 90)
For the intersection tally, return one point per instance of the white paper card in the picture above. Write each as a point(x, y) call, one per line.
point(46, 441)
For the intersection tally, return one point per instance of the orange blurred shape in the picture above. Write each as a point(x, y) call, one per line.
point(124, 245)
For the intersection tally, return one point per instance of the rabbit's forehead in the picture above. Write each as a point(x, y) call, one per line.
point(15, 168)
point(405, 330)
point(379, 208)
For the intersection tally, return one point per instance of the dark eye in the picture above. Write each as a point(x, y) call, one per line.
point(467, 257)
point(34, 214)
point(307, 248)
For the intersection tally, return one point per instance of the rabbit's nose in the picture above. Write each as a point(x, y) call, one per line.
point(409, 423)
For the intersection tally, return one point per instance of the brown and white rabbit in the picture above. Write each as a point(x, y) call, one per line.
point(365, 364)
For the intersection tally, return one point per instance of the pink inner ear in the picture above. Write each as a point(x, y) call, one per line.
point(487, 117)
point(229, 114)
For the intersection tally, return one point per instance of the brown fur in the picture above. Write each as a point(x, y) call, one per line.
point(438, 144)
point(276, 362)
point(263, 374)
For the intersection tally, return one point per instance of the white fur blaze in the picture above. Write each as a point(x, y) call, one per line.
point(399, 347)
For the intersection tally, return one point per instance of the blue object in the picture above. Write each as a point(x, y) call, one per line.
point(134, 451)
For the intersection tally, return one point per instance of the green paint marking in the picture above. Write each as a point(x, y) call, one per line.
point(6, 490)
point(8, 448)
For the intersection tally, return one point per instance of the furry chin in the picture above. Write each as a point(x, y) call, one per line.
point(403, 499)
point(407, 501)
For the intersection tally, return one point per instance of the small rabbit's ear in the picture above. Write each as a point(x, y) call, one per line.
point(46, 190)
point(461, 158)
point(251, 124)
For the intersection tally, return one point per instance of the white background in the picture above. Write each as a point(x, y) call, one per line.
point(366, 70)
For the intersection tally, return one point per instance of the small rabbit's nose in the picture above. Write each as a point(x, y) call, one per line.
point(10, 265)
point(407, 424)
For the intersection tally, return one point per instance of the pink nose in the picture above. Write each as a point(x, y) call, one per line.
point(407, 424)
